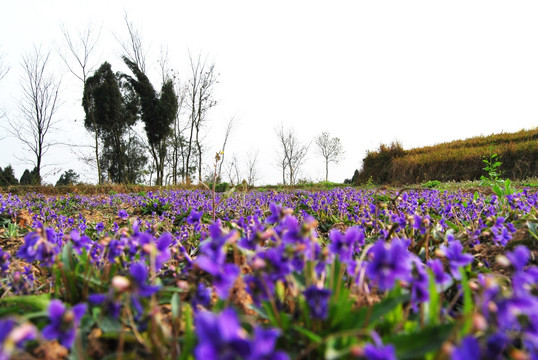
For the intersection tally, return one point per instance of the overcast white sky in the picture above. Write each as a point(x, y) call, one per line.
point(368, 72)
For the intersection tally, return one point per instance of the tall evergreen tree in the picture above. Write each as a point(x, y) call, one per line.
point(7, 176)
point(30, 177)
point(111, 107)
point(70, 177)
point(158, 114)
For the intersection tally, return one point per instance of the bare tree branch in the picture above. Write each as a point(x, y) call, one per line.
point(229, 129)
point(200, 101)
point(38, 105)
point(4, 69)
point(293, 153)
point(252, 171)
point(133, 49)
point(80, 51)
point(330, 149)
point(233, 171)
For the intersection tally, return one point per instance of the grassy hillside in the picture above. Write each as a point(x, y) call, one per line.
point(456, 160)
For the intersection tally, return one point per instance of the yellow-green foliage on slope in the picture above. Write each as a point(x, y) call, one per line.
point(457, 160)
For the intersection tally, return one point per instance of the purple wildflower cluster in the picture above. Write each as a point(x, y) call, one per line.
point(293, 260)
point(222, 337)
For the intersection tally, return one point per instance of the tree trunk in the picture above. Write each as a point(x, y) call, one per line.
point(326, 169)
point(99, 178)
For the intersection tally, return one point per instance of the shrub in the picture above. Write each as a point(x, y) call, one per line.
point(221, 187)
point(431, 184)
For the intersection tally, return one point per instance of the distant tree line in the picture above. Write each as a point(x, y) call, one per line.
point(173, 114)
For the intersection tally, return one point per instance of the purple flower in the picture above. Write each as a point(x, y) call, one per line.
point(456, 257)
point(292, 231)
point(469, 349)
point(253, 235)
point(501, 235)
point(372, 352)
point(263, 345)
point(112, 307)
point(122, 214)
point(390, 262)
point(4, 262)
point(519, 257)
point(14, 337)
point(29, 275)
point(21, 283)
point(213, 247)
point(343, 246)
point(419, 285)
point(277, 213)
point(318, 301)
point(63, 322)
point(163, 250)
point(495, 345)
point(79, 242)
point(440, 277)
point(510, 310)
point(417, 221)
point(194, 217)
point(40, 245)
point(379, 351)
point(115, 248)
point(258, 288)
point(201, 297)
point(142, 287)
point(99, 227)
point(278, 265)
point(220, 336)
point(223, 275)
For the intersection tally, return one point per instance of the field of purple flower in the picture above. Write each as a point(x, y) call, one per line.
point(342, 273)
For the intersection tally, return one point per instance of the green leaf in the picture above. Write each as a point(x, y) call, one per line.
point(498, 191)
point(417, 345)
point(433, 306)
point(532, 229)
point(109, 325)
point(34, 302)
point(309, 334)
point(365, 317)
point(66, 256)
point(467, 304)
point(189, 339)
point(175, 302)
point(37, 314)
point(332, 353)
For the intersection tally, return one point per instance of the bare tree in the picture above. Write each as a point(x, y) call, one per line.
point(330, 148)
point(77, 61)
point(39, 104)
point(283, 155)
point(80, 50)
point(3, 67)
point(200, 101)
point(233, 171)
point(3, 71)
point(133, 48)
point(177, 138)
point(252, 171)
point(229, 129)
point(293, 153)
